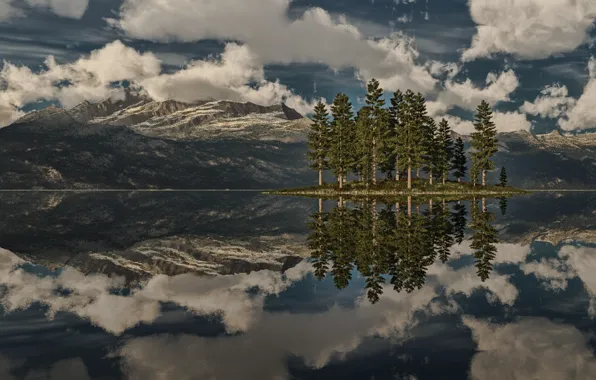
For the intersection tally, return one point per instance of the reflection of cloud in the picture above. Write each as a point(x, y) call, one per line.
point(91, 296)
point(65, 369)
point(533, 348)
point(261, 351)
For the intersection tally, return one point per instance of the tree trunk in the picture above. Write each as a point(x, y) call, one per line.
point(430, 206)
point(409, 176)
point(396, 170)
point(483, 177)
point(409, 206)
point(459, 180)
point(444, 179)
point(374, 161)
point(320, 205)
point(483, 204)
point(417, 172)
point(320, 176)
point(430, 177)
point(340, 181)
point(418, 210)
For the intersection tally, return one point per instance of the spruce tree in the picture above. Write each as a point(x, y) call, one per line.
point(444, 151)
point(377, 119)
point(431, 148)
point(395, 124)
point(420, 119)
point(342, 126)
point(503, 177)
point(409, 136)
point(362, 151)
point(318, 140)
point(458, 162)
point(484, 140)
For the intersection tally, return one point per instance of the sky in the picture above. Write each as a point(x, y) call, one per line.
point(533, 61)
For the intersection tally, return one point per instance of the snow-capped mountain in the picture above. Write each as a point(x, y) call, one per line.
point(136, 142)
point(202, 120)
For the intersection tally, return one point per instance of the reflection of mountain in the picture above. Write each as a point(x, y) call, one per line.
point(550, 217)
point(139, 143)
point(142, 234)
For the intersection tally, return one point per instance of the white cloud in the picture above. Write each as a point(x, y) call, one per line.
point(553, 102)
point(65, 8)
point(583, 114)
point(8, 10)
point(504, 122)
point(231, 77)
point(529, 29)
point(533, 348)
point(264, 26)
point(468, 96)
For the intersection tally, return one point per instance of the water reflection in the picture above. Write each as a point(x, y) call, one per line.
point(393, 243)
point(458, 289)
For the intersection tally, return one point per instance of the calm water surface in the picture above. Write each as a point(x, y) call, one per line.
point(243, 286)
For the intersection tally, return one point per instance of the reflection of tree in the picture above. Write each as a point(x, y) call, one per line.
point(393, 246)
point(503, 205)
point(483, 240)
point(458, 218)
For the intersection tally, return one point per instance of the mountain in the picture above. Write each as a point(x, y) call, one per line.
point(137, 142)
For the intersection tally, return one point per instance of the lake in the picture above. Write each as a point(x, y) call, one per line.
point(238, 285)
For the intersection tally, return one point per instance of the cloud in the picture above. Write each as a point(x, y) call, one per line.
point(237, 75)
point(553, 102)
point(8, 10)
point(263, 25)
point(529, 29)
point(533, 348)
point(583, 114)
point(468, 96)
point(64, 8)
point(91, 296)
point(504, 122)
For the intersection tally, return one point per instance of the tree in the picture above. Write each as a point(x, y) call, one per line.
point(409, 137)
point(444, 150)
point(422, 121)
point(431, 148)
point(394, 127)
point(342, 127)
point(458, 161)
point(362, 152)
point(484, 140)
point(377, 119)
point(318, 140)
point(483, 240)
point(503, 177)
point(503, 205)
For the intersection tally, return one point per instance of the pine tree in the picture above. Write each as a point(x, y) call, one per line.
point(503, 177)
point(458, 162)
point(484, 140)
point(318, 140)
point(409, 136)
point(431, 148)
point(377, 119)
point(342, 126)
point(483, 241)
point(444, 151)
point(421, 120)
point(395, 125)
point(362, 151)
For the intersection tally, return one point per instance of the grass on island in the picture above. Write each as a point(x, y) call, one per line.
point(393, 189)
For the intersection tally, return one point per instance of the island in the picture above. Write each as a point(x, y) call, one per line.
point(399, 141)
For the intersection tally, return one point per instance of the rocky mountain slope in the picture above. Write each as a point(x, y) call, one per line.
point(136, 142)
point(52, 149)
